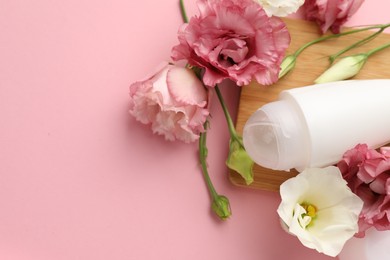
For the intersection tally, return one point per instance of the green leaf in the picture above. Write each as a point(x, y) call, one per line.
point(239, 161)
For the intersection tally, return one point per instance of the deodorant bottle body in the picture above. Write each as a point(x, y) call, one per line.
point(313, 126)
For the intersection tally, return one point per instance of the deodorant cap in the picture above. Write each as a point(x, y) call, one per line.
point(275, 136)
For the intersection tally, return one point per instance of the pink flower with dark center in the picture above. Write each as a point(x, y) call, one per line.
point(330, 14)
point(367, 172)
point(233, 39)
point(173, 101)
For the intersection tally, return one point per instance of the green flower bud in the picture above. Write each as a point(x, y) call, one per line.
point(287, 64)
point(221, 207)
point(239, 160)
point(344, 69)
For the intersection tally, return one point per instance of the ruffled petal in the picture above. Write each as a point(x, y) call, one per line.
point(185, 87)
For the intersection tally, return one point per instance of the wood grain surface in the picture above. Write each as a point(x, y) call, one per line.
point(310, 64)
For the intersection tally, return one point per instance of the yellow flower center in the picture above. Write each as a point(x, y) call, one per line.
point(308, 217)
point(311, 210)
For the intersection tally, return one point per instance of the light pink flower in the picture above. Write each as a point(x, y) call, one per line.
point(330, 14)
point(233, 39)
point(367, 172)
point(173, 100)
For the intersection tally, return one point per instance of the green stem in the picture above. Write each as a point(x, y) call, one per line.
point(301, 49)
point(378, 49)
point(219, 203)
point(333, 57)
point(202, 157)
point(183, 12)
point(232, 130)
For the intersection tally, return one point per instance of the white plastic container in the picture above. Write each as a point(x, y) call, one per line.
point(313, 126)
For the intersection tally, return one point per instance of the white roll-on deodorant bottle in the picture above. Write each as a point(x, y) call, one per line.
point(314, 126)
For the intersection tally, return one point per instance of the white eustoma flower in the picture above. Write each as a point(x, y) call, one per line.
point(318, 207)
point(280, 7)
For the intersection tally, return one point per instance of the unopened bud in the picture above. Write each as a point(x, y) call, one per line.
point(239, 160)
point(287, 64)
point(221, 207)
point(344, 69)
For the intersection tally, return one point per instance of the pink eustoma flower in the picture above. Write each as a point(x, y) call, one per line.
point(233, 39)
point(330, 14)
point(367, 172)
point(173, 101)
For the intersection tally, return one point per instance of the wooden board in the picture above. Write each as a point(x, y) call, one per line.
point(310, 64)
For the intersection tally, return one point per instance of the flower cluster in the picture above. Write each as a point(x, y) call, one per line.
point(331, 14)
point(243, 41)
point(175, 100)
point(360, 183)
point(367, 172)
point(359, 200)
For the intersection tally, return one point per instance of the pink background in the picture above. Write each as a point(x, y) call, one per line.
point(80, 178)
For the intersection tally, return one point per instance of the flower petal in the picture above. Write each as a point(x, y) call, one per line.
point(185, 87)
point(280, 8)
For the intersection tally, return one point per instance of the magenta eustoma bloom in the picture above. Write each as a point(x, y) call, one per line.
point(233, 39)
point(330, 14)
point(173, 101)
point(367, 172)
